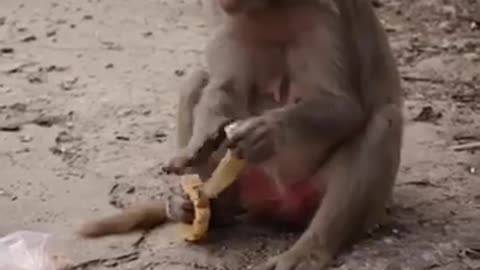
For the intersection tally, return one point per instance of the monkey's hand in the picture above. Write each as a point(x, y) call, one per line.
point(180, 162)
point(298, 258)
point(254, 139)
point(199, 150)
point(179, 207)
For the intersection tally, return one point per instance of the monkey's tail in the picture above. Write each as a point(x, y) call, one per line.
point(141, 217)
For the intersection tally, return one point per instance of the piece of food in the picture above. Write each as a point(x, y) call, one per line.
point(226, 172)
point(200, 193)
point(192, 185)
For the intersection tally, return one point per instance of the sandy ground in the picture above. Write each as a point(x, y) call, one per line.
point(87, 102)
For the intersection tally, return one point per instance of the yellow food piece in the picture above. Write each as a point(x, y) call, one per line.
point(200, 193)
point(224, 175)
point(192, 185)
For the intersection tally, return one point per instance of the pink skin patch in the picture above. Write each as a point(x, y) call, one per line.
point(292, 203)
point(274, 88)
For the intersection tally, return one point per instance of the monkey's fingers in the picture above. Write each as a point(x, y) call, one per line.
point(198, 151)
point(177, 165)
point(228, 169)
point(250, 129)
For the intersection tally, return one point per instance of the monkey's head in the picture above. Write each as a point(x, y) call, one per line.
point(233, 7)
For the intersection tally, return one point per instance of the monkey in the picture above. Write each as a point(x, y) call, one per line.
point(315, 90)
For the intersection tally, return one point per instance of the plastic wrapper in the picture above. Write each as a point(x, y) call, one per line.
point(24, 250)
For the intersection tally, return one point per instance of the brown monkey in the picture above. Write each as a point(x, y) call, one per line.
point(317, 93)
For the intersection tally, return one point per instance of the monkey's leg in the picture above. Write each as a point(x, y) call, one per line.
point(360, 180)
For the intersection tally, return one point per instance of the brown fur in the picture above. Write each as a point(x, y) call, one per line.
point(317, 92)
point(140, 217)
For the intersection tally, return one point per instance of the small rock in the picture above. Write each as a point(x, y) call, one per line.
point(22, 150)
point(55, 68)
point(179, 72)
point(109, 66)
point(7, 50)
point(29, 38)
point(4, 193)
point(51, 33)
point(87, 17)
point(11, 128)
point(160, 136)
point(61, 21)
point(147, 34)
point(131, 190)
point(112, 46)
point(122, 138)
point(11, 68)
point(26, 138)
point(474, 26)
point(124, 112)
point(427, 115)
point(18, 107)
point(2, 20)
point(58, 150)
point(69, 84)
point(47, 120)
point(64, 137)
point(35, 78)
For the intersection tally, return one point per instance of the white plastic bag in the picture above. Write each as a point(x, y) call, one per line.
point(24, 250)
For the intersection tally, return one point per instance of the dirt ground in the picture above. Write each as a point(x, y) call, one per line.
point(87, 102)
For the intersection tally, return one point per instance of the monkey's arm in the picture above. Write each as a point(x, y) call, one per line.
point(218, 106)
point(222, 100)
point(329, 116)
point(322, 121)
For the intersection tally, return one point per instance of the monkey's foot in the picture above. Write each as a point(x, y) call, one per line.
point(298, 259)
